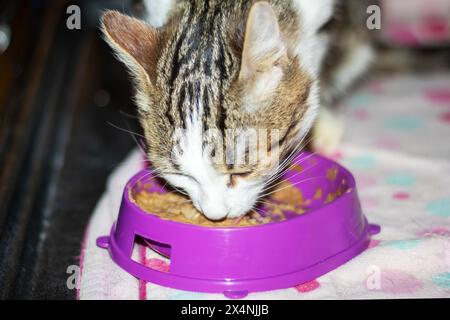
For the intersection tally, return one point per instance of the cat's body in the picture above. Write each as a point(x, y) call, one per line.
point(226, 66)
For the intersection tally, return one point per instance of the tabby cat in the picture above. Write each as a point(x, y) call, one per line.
point(228, 66)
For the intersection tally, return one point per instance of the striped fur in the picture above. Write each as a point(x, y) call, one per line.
point(190, 78)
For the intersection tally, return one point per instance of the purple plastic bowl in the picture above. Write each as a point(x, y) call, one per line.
point(239, 260)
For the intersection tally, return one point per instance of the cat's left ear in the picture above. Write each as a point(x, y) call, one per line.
point(134, 42)
point(264, 51)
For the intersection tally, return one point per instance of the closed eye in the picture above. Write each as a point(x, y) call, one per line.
point(241, 174)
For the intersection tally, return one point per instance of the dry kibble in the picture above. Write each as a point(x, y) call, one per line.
point(177, 207)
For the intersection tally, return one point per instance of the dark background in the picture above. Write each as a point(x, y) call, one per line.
point(62, 94)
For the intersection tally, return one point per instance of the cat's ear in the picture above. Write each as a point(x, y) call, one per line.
point(134, 42)
point(264, 47)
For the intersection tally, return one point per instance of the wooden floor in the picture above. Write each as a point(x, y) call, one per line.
point(62, 94)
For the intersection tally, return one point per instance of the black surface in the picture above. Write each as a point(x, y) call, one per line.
point(63, 153)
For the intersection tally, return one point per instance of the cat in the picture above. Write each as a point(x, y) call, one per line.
point(227, 66)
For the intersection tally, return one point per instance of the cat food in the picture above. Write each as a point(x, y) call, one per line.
point(177, 207)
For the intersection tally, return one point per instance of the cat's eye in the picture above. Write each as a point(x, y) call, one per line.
point(241, 174)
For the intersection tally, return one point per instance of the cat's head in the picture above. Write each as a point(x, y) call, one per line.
point(216, 77)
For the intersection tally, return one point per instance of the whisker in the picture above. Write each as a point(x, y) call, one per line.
point(281, 168)
point(275, 185)
point(125, 130)
point(292, 185)
point(268, 183)
point(128, 115)
point(295, 149)
point(294, 152)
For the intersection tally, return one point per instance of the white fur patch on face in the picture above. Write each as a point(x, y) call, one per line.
point(208, 189)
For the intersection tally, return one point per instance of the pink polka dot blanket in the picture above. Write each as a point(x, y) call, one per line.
point(397, 146)
point(416, 22)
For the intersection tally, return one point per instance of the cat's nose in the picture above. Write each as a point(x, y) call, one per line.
point(214, 210)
